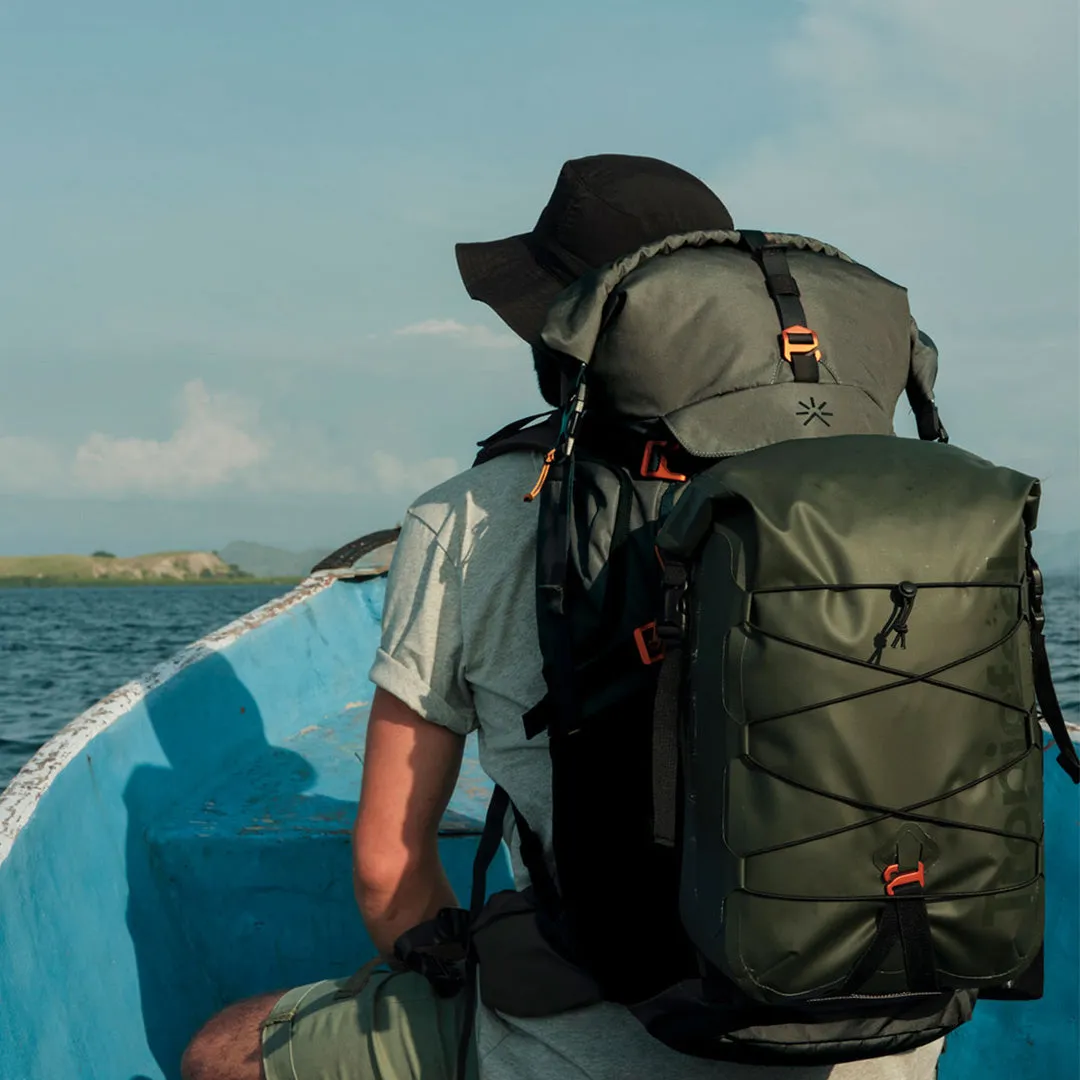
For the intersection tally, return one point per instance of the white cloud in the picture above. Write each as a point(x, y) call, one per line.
point(938, 143)
point(394, 476)
point(475, 336)
point(213, 444)
point(217, 445)
point(913, 134)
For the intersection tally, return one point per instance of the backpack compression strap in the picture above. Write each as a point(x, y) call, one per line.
point(670, 634)
point(798, 343)
point(919, 388)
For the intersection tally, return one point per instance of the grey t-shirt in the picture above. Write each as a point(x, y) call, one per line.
point(459, 646)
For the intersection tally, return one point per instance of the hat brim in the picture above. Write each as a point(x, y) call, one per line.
point(505, 275)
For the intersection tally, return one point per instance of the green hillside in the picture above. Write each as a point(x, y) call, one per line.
point(160, 568)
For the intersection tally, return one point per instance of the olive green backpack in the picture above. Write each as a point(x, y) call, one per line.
point(795, 665)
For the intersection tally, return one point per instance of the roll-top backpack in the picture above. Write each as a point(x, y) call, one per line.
point(795, 665)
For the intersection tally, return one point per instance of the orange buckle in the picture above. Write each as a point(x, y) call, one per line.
point(894, 879)
point(659, 470)
point(651, 648)
point(797, 340)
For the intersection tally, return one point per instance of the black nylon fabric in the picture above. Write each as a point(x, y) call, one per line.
point(510, 941)
point(687, 1020)
point(600, 757)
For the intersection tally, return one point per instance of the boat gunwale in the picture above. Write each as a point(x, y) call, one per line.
point(20, 799)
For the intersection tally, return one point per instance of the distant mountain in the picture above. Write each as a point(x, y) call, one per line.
point(260, 560)
point(1058, 553)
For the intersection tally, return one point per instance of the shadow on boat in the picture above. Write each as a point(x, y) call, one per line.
point(238, 880)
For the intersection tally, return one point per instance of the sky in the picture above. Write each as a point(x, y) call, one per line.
point(229, 306)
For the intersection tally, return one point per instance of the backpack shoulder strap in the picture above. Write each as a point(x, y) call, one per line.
point(1044, 684)
point(520, 436)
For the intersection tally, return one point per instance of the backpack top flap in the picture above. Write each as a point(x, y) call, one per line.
point(858, 506)
point(685, 330)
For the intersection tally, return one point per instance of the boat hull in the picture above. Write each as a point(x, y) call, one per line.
point(187, 842)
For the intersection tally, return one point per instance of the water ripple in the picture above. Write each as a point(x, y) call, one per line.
point(73, 646)
point(62, 650)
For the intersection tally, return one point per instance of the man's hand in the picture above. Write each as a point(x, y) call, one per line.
point(410, 768)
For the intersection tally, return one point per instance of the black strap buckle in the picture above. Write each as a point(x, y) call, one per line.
point(1035, 577)
point(671, 626)
point(437, 949)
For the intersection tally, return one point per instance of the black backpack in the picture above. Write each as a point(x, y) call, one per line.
point(792, 664)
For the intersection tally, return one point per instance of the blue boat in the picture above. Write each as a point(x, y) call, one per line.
point(186, 842)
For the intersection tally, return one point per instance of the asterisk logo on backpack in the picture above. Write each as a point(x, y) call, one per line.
point(814, 410)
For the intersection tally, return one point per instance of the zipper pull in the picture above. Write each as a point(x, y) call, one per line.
point(549, 458)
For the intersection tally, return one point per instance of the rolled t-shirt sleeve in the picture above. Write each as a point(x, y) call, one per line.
point(420, 657)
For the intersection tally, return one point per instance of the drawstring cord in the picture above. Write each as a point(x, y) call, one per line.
point(903, 597)
point(564, 447)
point(549, 458)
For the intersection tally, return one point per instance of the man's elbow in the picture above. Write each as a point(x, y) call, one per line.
point(382, 866)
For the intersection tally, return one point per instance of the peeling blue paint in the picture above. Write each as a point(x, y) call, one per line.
point(204, 855)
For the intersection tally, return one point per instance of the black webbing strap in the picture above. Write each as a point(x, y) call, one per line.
point(490, 839)
point(905, 921)
point(881, 944)
point(539, 718)
point(665, 749)
point(916, 944)
point(798, 343)
point(532, 855)
point(1051, 707)
point(514, 427)
point(531, 848)
point(927, 421)
point(519, 436)
point(1044, 681)
point(920, 387)
point(553, 540)
point(436, 950)
point(558, 709)
point(671, 630)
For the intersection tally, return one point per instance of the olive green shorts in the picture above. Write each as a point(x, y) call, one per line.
point(379, 1025)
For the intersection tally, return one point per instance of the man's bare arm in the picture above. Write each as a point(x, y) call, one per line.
point(410, 768)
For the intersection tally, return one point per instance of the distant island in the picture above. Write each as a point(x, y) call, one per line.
point(160, 568)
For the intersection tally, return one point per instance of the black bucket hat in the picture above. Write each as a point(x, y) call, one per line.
point(603, 207)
